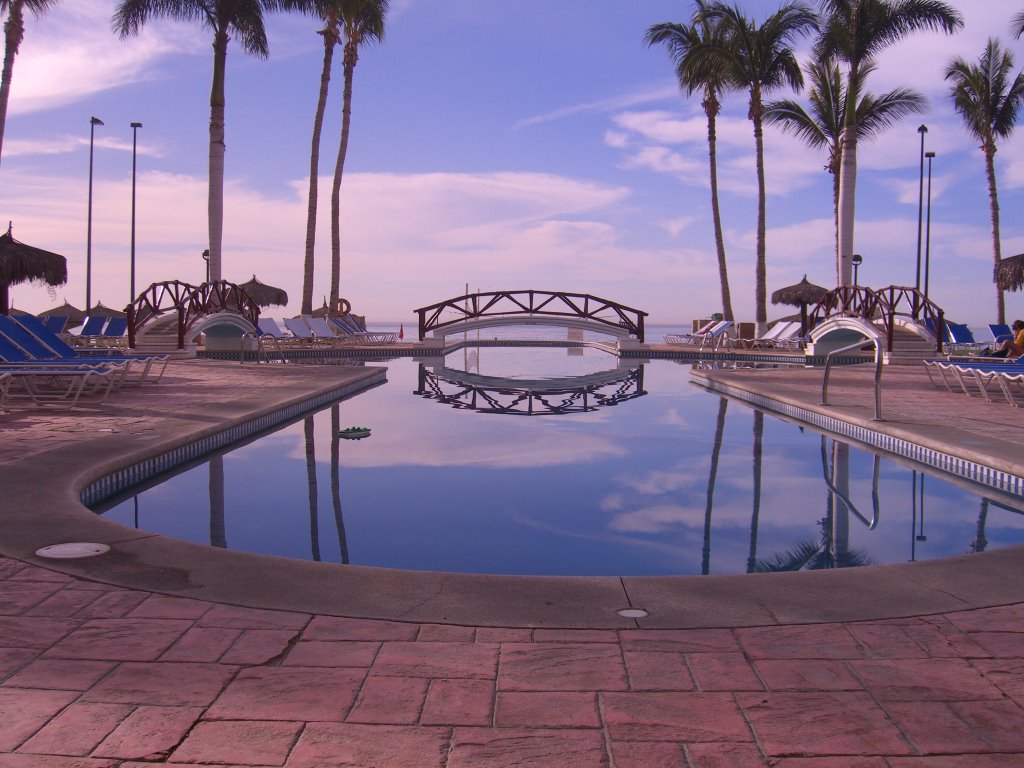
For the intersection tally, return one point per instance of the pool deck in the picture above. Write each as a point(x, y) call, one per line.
point(165, 652)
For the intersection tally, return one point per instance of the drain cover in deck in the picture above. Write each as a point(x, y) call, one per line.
point(72, 550)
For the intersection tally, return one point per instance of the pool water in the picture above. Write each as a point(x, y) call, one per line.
point(565, 462)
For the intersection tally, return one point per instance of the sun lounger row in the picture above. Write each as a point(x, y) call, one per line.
point(985, 378)
point(40, 366)
point(711, 335)
point(305, 329)
point(715, 335)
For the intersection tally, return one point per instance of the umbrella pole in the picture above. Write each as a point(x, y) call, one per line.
point(803, 320)
point(5, 299)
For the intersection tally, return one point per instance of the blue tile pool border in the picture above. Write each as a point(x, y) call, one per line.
point(956, 466)
point(115, 482)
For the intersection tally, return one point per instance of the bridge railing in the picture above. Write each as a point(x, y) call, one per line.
point(189, 303)
point(881, 307)
point(553, 304)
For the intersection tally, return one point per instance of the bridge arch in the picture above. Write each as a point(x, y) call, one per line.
point(849, 312)
point(557, 308)
point(219, 308)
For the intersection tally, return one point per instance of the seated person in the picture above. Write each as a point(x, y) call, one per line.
point(1011, 347)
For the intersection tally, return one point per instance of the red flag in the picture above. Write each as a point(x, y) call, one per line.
point(401, 331)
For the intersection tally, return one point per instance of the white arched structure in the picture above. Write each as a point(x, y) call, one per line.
point(496, 321)
point(841, 331)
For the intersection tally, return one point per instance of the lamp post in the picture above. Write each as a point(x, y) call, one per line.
point(928, 224)
point(206, 258)
point(93, 122)
point(856, 261)
point(135, 133)
point(923, 129)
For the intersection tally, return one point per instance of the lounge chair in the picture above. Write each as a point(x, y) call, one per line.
point(30, 335)
point(56, 323)
point(268, 327)
point(712, 337)
point(93, 326)
point(1000, 332)
point(687, 338)
point(961, 339)
point(349, 327)
point(781, 335)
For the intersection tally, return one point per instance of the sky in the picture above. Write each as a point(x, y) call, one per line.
point(501, 146)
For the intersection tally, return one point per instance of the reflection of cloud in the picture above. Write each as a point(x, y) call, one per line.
point(657, 519)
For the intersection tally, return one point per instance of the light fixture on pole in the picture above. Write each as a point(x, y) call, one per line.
point(206, 258)
point(93, 122)
point(928, 224)
point(135, 132)
point(923, 129)
point(856, 261)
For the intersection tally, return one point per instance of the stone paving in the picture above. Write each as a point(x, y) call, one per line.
point(94, 675)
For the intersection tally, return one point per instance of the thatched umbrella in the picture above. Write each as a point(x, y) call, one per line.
point(264, 295)
point(324, 311)
point(800, 295)
point(101, 311)
point(74, 315)
point(1009, 273)
point(20, 263)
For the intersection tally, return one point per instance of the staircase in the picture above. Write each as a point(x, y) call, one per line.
point(909, 348)
point(160, 337)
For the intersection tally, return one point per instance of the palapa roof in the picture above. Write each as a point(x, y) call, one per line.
point(1009, 273)
point(21, 263)
point(802, 293)
point(265, 295)
point(101, 311)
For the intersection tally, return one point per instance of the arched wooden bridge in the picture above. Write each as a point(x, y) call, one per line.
point(191, 309)
point(496, 308)
point(897, 316)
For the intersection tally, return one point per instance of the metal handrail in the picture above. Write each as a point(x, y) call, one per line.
point(878, 373)
point(875, 506)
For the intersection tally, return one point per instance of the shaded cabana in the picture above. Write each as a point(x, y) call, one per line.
point(800, 295)
point(21, 263)
point(1009, 273)
point(265, 295)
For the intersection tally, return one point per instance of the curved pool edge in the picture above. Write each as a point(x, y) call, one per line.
point(42, 508)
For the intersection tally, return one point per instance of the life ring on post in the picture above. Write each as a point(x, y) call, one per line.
point(344, 308)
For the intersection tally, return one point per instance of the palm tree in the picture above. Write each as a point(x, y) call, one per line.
point(821, 126)
point(311, 488)
point(855, 32)
point(330, 12)
point(1017, 25)
point(362, 21)
point(242, 19)
point(716, 450)
point(988, 98)
point(681, 40)
point(14, 33)
point(760, 59)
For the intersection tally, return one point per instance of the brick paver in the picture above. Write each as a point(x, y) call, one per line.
point(93, 676)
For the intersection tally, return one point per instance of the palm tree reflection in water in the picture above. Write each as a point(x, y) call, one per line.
point(314, 523)
point(716, 451)
point(218, 533)
point(833, 548)
point(339, 520)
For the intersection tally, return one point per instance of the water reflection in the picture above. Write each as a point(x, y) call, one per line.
point(549, 397)
point(657, 487)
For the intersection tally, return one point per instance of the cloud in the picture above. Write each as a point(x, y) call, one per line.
point(71, 53)
point(602, 105)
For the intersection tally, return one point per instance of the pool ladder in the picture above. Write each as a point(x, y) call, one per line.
point(878, 373)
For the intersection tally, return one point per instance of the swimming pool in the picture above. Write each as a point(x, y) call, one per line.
point(564, 462)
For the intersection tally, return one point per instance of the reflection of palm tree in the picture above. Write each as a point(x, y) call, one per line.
point(314, 526)
point(218, 535)
point(980, 542)
point(339, 520)
point(758, 435)
point(716, 449)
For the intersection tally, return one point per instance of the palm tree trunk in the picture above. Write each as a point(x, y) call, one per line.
point(314, 517)
point(758, 453)
point(351, 56)
point(215, 204)
point(980, 542)
point(848, 178)
point(339, 519)
point(711, 109)
point(716, 450)
point(760, 270)
point(330, 40)
point(841, 513)
point(14, 33)
point(989, 148)
point(835, 219)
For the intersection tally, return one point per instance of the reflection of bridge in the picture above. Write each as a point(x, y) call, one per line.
point(490, 394)
point(174, 312)
point(495, 308)
point(903, 319)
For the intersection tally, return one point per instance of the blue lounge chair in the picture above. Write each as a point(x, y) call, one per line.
point(1000, 332)
point(116, 328)
point(56, 323)
point(93, 326)
point(31, 336)
point(961, 338)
